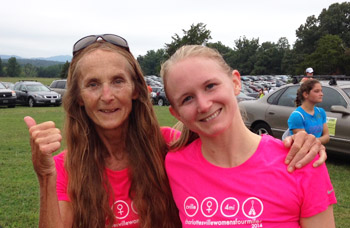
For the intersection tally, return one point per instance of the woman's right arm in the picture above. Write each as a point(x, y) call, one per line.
point(45, 139)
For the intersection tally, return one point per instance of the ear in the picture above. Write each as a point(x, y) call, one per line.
point(174, 113)
point(305, 95)
point(236, 78)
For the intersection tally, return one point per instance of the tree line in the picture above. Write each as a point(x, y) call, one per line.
point(322, 43)
point(13, 69)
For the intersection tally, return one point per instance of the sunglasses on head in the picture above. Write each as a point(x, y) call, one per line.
point(110, 38)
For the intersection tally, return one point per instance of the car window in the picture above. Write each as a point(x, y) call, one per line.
point(331, 97)
point(61, 84)
point(347, 91)
point(272, 98)
point(288, 97)
point(2, 86)
point(53, 84)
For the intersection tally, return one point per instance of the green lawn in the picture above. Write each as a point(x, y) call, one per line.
point(19, 198)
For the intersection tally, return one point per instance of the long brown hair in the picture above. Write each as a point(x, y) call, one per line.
point(88, 185)
point(306, 86)
point(186, 51)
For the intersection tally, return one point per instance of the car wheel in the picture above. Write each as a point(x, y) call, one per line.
point(262, 128)
point(160, 102)
point(31, 102)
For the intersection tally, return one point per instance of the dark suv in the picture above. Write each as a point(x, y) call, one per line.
point(59, 86)
point(34, 93)
point(7, 97)
point(161, 98)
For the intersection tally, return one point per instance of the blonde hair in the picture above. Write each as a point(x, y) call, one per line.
point(187, 51)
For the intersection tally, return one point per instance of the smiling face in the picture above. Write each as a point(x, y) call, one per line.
point(315, 95)
point(202, 95)
point(106, 89)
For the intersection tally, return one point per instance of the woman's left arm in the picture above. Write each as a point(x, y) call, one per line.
point(325, 134)
point(325, 219)
point(303, 149)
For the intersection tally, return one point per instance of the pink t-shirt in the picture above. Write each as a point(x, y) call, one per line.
point(258, 193)
point(123, 207)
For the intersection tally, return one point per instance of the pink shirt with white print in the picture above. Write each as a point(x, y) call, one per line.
point(258, 193)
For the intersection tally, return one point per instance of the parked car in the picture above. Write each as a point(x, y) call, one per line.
point(244, 97)
point(155, 90)
point(34, 93)
point(269, 115)
point(161, 98)
point(59, 86)
point(7, 97)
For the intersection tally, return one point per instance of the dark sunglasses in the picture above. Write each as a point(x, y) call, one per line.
point(110, 38)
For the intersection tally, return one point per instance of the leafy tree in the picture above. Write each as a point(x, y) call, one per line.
point(245, 55)
point(226, 52)
point(53, 71)
point(336, 21)
point(13, 68)
point(197, 34)
point(150, 63)
point(64, 71)
point(1, 68)
point(29, 70)
point(328, 56)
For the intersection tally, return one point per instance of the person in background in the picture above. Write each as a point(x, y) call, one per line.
point(222, 173)
point(307, 117)
point(112, 173)
point(261, 93)
point(309, 73)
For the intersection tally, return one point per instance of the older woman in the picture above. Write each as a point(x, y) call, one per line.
point(112, 172)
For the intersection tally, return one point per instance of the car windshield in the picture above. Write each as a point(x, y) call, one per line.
point(347, 91)
point(37, 88)
point(2, 86)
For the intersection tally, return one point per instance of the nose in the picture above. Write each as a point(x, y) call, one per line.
point(106, 93)
point(203, 103)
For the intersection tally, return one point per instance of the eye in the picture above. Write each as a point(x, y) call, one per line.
point(210, 86)
point(118, 81)
point(187, 99)
point(92, 84)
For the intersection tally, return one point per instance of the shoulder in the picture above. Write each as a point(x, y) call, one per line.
point(185, 153)
point(271, 143)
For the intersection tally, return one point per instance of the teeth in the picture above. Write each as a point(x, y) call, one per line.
point(108, 111)
point(215, 114)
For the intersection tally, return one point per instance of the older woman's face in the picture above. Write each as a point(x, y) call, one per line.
point(106, 88)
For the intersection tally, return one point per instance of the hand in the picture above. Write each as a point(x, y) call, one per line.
point(303, 149)
point(45, 139)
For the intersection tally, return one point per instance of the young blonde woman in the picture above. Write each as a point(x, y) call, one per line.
point(222, 174)
point(307, 117)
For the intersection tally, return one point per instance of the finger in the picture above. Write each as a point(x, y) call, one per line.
point(44, 133)
point(322, 159)
point(42, 127)
point(48, 149)
point(287, 143)
point(29, 121)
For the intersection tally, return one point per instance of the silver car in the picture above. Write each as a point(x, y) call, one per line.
point(269, 115)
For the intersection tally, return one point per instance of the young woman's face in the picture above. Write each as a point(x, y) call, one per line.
point(202, 95)
point(315, 95)
point(106, 88)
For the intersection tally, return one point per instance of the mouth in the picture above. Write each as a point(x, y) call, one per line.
point(108, 110)
point(212, 116)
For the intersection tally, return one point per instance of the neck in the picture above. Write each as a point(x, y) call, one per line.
point(231, 148)
point(308, 107)
point(114, 141)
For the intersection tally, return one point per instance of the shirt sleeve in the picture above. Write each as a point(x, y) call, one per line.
point(316, 190)
point(295, 121)
point(324, 115)
point(62, 178)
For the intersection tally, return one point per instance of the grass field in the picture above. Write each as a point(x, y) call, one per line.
point(19, 199)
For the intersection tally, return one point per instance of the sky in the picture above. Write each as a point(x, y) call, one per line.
point(45, 28)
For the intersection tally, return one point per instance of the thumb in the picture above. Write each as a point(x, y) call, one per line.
point(29, 121)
